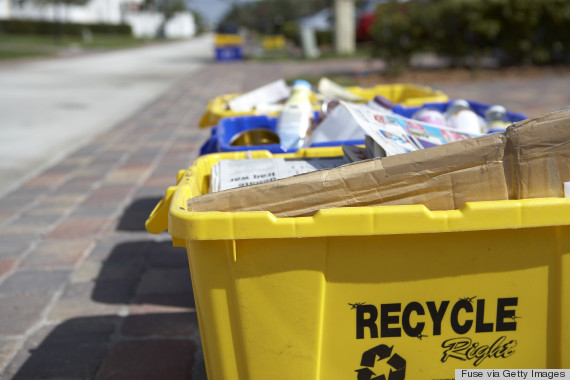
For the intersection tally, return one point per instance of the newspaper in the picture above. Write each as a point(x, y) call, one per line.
point(397, 134)
point(383, 128)
point(229, 174)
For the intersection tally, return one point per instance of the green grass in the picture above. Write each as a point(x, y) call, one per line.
point(7, 54)
point(32, 46)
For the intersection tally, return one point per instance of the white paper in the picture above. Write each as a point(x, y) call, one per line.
point(229, 174)
point(269, 93)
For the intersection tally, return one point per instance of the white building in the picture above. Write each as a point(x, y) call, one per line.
point(143, 23)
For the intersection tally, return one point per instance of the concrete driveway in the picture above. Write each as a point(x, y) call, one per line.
point(51, 107)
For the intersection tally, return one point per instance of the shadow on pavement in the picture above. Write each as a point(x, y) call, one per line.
point(145, 272)
point(79, 348)
point(135, 215)
point(157, 340)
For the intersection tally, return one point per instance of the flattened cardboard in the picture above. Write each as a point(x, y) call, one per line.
point(538, 156)
point(442, 178)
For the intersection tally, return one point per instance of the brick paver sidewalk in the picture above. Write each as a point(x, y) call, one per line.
point(85, 291)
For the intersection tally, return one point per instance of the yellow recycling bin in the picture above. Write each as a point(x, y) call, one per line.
point(357, 293)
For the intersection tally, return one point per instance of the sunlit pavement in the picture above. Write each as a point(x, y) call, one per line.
point(85, 292)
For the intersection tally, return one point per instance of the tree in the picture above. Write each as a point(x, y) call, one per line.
point(266, 15)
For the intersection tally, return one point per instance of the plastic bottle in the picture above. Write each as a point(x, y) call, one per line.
point(462, 118)
point(430, 115)
point(496, 118)
point(295, 119)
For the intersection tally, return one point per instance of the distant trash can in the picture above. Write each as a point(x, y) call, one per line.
point(405, 94)
point(228, 47)
point(361, 292)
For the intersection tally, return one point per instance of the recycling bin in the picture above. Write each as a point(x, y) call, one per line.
point(364, 292)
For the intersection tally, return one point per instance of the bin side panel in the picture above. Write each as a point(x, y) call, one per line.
point(424, 304)
point(278, 285)
point(564, 238)
point(212, 284)
point(499, 288)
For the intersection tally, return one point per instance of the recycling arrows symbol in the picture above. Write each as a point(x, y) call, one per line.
point(398, 364)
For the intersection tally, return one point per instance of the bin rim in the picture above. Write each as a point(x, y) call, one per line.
point(171, 213)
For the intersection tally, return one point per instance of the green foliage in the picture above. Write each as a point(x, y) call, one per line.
point(394, 33)
point(324, 37)
point(201, 25)
point(290, 30)
point(270, 16)
point(522, 31)
point(21, 46)
point(32, 27)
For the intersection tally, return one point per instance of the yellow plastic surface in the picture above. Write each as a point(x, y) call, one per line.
point(409, 95)
point(406, 94)
point(273, 42)
point(318, 297)
point(221, 40)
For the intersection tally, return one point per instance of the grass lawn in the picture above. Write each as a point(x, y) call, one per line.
point(31, 46)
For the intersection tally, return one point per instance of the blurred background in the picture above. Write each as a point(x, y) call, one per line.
point(464, 33)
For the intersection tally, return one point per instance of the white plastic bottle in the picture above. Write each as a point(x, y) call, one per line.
point(496, 118)
point(461, 117)
point(295, 119)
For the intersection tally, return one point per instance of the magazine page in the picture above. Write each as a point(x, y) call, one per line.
point(386, 130)
point(398, 134)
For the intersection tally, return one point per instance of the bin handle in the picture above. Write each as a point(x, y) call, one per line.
point(158, 219)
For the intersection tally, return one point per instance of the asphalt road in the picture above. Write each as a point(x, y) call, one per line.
point(49, 108)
